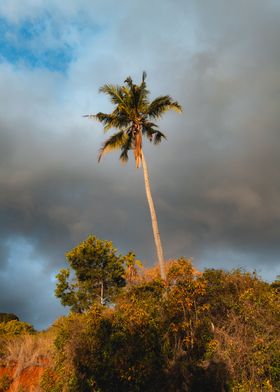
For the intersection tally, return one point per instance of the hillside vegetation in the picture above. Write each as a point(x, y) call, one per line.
point(210, 331)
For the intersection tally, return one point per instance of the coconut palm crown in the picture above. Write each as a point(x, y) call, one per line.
point(133, 117)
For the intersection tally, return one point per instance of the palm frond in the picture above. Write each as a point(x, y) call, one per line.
point(104, 118)
point(143, 94)
point(132, 93)
point(136, 95)
point(117, 119)
point(161, 105)
point(101, 117)
point(144, 75)
point(149, 124)
point(116, 141)
point(125, 148)
point(115, 92)
point(148, 129)
point(129, 81)
point(158, 136)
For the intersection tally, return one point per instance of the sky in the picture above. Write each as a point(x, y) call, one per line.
point(215, 181)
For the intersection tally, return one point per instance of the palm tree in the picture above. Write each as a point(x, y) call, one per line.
point(133, 117)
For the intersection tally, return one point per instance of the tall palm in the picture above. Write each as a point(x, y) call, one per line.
point(133, 117)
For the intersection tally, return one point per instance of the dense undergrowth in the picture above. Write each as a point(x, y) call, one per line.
point(211, 331)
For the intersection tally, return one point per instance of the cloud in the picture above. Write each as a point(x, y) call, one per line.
point(215, 180)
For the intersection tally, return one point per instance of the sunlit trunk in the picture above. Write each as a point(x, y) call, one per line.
point(102, 293)
point(154, 219)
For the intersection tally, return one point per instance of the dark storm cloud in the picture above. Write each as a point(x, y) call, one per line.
point(215, 181)
point(226, 191)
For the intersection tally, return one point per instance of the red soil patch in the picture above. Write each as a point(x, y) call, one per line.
point(28, 378)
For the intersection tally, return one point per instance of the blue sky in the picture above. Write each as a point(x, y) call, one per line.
point(18, 46)
point(42, 42)
point(216, 179)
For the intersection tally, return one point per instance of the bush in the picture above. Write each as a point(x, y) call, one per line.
point(245, 311)
point(50, 382)
point(15, 327)
point(5, 317)
point(5, 383)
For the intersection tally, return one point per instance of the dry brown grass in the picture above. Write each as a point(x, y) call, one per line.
point(26, 351)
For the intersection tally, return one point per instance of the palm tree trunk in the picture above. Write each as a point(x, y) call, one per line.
point(154, 219)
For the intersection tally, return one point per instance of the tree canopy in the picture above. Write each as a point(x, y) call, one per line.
point(96, 273)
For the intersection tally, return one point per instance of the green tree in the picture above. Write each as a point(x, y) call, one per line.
point(99, 274)
point(133, 117)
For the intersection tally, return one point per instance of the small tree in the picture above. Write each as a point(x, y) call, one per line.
point(98, 275)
